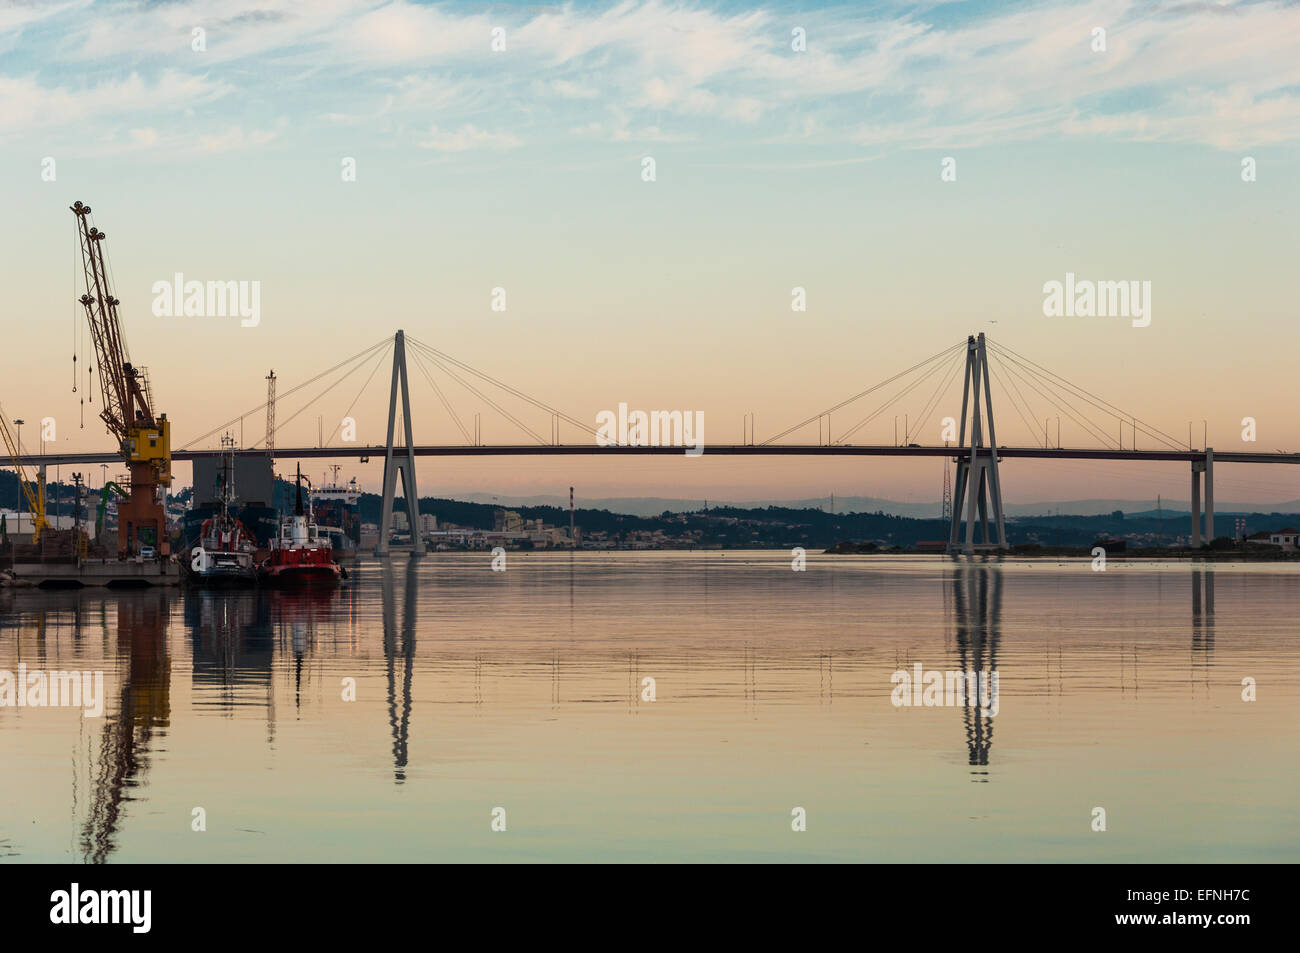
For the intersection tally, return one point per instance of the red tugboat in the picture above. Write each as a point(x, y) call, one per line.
point(300, 555)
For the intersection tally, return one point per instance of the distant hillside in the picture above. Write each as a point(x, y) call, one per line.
point(652, 505)
point(800, 522)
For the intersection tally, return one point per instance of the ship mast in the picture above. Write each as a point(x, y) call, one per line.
point(227, 476)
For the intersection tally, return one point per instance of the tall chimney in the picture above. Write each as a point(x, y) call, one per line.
point(572, 539)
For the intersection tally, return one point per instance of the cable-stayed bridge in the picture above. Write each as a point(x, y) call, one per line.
point(976, 522)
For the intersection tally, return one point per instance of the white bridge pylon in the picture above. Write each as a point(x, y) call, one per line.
point(978, 484)
point(400, 459)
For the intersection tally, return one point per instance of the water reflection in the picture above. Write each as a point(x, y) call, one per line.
point(747, 671)
point(232, 651)
point(299, 619)
point(144, 707)
point(977, 609)
point(1202, 613)
point(399, 716)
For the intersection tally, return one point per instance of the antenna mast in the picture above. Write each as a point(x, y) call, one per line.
point(270, 412)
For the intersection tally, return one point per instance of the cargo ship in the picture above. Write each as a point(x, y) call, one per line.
point(252, 501)
point(223, 552)
point(337, 515)
point(300, 555)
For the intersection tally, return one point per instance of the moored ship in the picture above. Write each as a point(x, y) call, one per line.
point(224, 551)
point(337, 515)
point(252, 500)
point(300, 555)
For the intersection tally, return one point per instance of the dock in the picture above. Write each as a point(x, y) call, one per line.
point(93, 572)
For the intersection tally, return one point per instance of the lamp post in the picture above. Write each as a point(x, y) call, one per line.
point(18, 506)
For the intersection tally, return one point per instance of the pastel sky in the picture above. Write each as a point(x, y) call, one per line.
point(775, 168)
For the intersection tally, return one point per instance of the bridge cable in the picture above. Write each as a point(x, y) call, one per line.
point(1033, 380)
point(281, 424)
point(1117, 412)
point(928, 410)
point(1033, 430)
point(1088, 425)
point(432, 352)
point(889, 403)
point(869, 390)
point(491, 403)
point(419, 362)
point(378, 364)
point(1057, 388)
point(1007, 373)
point(262, 406)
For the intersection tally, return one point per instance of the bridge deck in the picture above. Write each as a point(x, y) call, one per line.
point(743, 450)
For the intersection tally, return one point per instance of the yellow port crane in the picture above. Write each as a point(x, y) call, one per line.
point(143, 435)
point(35, 501)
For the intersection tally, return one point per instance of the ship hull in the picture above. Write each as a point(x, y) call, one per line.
point(218, 578)
point(216, 568)
point(262, 522)
point(301, 575)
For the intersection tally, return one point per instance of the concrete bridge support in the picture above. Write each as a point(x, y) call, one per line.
point(978, 485)
point(400, 460)
point(1198, 467)
point(1206, 467)
point(1209, 494)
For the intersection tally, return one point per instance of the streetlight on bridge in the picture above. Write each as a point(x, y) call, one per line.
point(18, 507)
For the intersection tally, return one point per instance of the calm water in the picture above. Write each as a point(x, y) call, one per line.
point(524, 690)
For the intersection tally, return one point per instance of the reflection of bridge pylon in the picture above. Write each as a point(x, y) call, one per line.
point(400, 722)
point(977, 471)
point(978, 609)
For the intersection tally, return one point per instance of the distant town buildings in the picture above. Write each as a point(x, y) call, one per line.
point(1287, 539)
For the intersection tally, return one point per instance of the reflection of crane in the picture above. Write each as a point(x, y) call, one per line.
point(143, 435)
point(36, 500)
point(126, 739)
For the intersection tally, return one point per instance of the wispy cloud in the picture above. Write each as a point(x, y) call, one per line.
point(897, 76)
point(467, 137)
point(236, 137)
point(26, 103)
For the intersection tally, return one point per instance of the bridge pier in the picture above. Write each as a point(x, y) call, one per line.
point(1205, 466)
point(401, 460)
point(1209, 494)
point(1197, 467)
